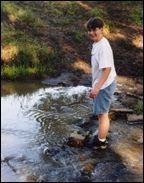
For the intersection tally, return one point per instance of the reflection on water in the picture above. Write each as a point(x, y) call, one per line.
point(36, 121)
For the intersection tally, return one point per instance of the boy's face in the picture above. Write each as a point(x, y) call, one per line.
point(94, 35)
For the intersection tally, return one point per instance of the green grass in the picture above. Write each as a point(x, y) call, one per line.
point(20, 14)
point(139, 107)
point(102, 14)
point(76, 35)
point(136, 15)
point(135, 11)
point(25, 30)
point(98, 12)
point(22, 72)
point(32, 59)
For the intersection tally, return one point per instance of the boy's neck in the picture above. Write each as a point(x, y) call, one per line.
point(99, 39)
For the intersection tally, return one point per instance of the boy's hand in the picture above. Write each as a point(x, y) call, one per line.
point(94, 92)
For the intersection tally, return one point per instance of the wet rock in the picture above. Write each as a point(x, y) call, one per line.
point(116, 115)
point(85, 80)
point(76, 140)
point(30, 178)
point(87, 168)
point(134, 95)
point(77, 136)
point(69, 79)
point(137, 135)
point(134, 122)
point(121, 110)
point(119, 113)
point(139, 89)
point(65, 79)
point(82, 157)
point(134, 117)
point(140, 139)
point(51, 151)
point(107, 171)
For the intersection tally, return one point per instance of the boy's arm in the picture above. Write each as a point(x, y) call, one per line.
point(103, 78)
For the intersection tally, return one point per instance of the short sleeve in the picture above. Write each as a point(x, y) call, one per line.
point(105, 57)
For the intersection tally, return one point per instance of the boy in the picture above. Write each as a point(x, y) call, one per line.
point(103, 79)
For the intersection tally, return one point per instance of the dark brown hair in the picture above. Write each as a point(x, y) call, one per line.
point(94, 23)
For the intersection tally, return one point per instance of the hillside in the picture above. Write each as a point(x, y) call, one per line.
point(46, 38)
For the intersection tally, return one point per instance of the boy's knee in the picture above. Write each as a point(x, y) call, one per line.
point(102, 115)
point(99, 116)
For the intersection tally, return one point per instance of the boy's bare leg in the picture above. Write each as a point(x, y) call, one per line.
point(104, 124)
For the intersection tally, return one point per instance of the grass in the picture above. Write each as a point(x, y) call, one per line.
point(98, 12)
point(26, 56)
point(23, 56)
point(76, 35)
point(139, 107)
point(17, 13)
point(135, 12)
point(136, 15)
point(28, 50)
point(102, 14)
point(23, 72)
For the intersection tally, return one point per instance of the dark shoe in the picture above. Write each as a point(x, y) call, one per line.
point(99, 144)
point(95, 143)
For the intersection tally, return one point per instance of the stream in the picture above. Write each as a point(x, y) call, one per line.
point(36, 121)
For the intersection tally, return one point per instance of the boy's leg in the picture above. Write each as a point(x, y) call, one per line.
point(104, 124)
point(98, 139)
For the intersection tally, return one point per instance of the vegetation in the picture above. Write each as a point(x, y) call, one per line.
point(45, 38)
point(139, 107)
point(135, 13)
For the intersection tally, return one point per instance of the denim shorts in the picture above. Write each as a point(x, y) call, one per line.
point(102, 102)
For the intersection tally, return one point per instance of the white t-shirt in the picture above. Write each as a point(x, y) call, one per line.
point(102, 57)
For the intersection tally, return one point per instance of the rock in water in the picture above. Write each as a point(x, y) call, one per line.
point(76, 140)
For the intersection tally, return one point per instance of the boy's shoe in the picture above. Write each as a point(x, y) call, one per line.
point(95, 143)
point(99, 144)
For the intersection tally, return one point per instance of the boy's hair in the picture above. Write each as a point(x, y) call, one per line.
point(94, 23)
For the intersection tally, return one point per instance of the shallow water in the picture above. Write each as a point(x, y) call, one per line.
point(36, 121)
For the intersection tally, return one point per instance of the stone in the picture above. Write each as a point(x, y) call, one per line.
point(85, 80)
point(65, 79)
point(31, 178)
point(76, 140)
point(77, 136)
point(122, 110)
point(134, 117)
point(139, 89)
point(88, 168)
point(140, 140)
